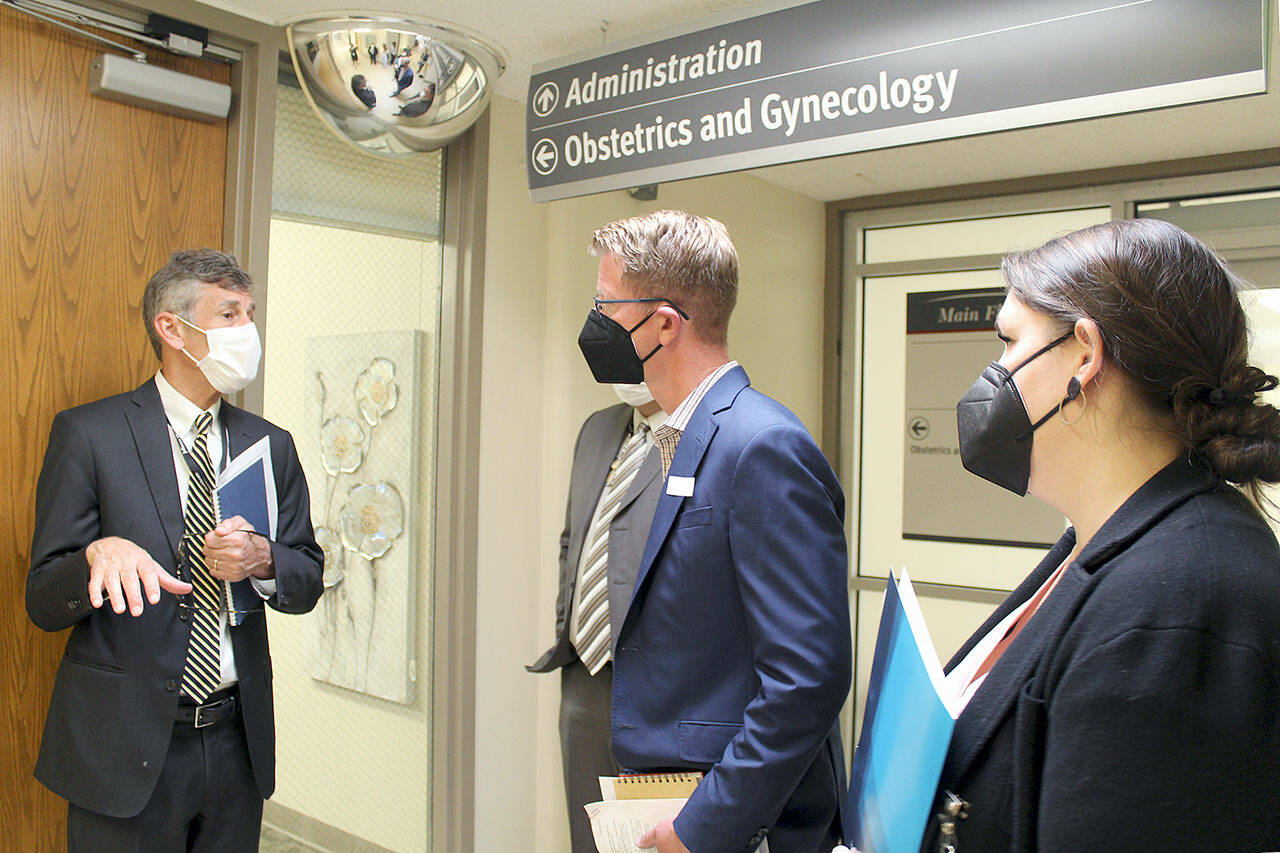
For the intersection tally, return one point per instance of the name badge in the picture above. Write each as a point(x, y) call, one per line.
point(680, 487)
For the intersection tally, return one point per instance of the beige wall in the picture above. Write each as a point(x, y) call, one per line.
point(536, 392)
point(347, 759)
point(508, 711)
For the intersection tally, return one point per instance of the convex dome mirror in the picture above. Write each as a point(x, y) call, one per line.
point(394, 86)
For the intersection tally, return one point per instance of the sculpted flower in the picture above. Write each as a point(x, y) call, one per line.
point(341, 446)
point(331, 543)
point(376, 390)
point(372, 518)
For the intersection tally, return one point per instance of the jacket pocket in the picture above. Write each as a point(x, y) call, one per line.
point(92, 663)
point(698, 516)
point(704, 742)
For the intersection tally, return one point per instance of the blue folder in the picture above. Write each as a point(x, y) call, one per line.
point(245, 494)
point(906, 731)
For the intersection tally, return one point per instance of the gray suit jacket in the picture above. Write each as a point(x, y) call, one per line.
point(597, 446)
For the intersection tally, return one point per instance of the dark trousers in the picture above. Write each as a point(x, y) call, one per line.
point(205, 800)
point(585, 744)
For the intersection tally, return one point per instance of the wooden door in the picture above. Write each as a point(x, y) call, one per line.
point(94, 195)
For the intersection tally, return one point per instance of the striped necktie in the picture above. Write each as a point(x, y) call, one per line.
point(592, 636)
point(203, 671)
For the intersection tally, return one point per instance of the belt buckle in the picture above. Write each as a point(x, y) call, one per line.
point(200, 723)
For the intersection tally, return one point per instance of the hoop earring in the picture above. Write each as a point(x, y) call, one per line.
point(1084, 404)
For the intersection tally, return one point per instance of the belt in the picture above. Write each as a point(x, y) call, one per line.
point(218, 708)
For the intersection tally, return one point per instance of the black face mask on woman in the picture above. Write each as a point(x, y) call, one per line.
point(995, 429)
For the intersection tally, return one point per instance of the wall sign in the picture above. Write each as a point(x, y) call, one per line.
point(950, 338)
point(836, 76)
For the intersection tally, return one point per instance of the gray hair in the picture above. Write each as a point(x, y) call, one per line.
point(176, 286)
point(687, 259)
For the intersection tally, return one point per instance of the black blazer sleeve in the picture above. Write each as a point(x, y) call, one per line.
point(299, 561)
point(66, 523)
point(1156, 740)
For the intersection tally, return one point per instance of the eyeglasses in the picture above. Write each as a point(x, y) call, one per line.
point(600, 302)
point(184, 574)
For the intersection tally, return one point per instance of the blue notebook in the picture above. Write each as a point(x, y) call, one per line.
point(906, 731)
point(247, 487)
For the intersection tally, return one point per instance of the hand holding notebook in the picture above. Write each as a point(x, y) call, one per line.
point(632, 805)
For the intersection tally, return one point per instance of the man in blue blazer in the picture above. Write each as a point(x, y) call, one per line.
point(734, 655)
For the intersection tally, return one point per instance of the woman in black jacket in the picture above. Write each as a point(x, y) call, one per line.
point(1127, 695)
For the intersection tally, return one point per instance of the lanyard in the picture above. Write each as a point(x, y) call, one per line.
point(186, 454)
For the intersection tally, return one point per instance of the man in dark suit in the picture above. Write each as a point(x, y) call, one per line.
point(160, 730)
point(734, 655)
point(609, 510)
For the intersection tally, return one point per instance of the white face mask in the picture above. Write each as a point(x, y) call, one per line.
point(633, 395)
point(234, 353)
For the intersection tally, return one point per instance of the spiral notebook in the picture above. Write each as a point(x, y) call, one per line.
point(631, 805)
point(649, 786)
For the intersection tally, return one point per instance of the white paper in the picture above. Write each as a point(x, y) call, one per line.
point(915, 619)
point(618, 824)
point(680, 487)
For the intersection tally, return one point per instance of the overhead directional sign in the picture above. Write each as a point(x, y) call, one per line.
point(796, 82)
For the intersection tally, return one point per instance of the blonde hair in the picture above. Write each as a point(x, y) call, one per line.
point(686, 259)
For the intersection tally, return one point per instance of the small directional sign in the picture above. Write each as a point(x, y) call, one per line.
point(545, 157)
point(918, 428)
point(546, 98)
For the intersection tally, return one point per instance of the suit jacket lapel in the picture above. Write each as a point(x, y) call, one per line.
point(1171, 486)
point(693, 446)
point(628, 536)
point(995, 699)
point(1025, 590)
point(650, 468)
point(155, 453)
point(599, 455)
point(239, 436)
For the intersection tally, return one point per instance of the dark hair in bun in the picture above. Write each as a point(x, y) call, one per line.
point(1171, 321)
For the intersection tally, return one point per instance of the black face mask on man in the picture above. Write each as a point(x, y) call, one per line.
point(607, 346)
point(995, 429)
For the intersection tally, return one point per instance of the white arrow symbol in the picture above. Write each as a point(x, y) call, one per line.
point(546, 98)
point(545, 157)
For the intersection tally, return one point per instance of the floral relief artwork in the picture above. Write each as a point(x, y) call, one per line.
point(362, 465)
